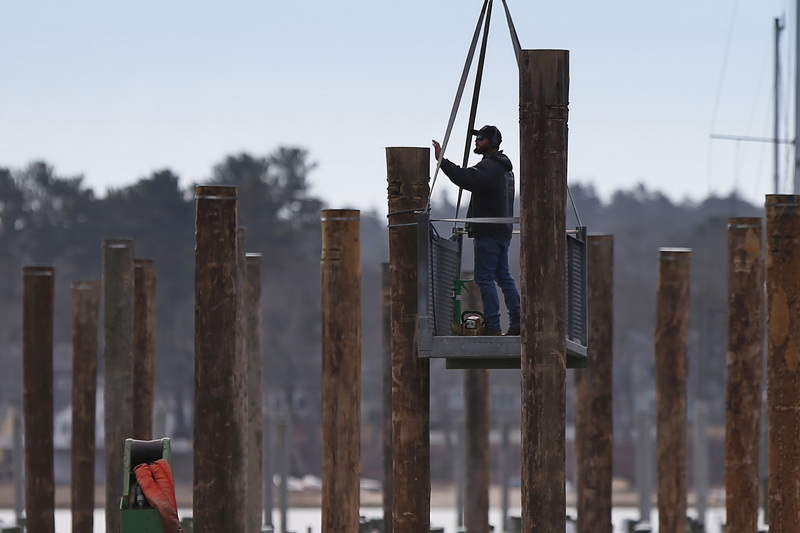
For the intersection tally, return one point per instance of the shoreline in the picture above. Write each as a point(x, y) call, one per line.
point(442, 495)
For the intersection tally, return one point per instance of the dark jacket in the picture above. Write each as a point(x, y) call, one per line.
point(491, 183)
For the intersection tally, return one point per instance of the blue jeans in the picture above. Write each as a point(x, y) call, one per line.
point(491, 265)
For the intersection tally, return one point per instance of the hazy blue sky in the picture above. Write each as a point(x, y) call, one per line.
point(115, 90)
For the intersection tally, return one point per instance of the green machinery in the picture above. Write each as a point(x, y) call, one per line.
point(136, 516)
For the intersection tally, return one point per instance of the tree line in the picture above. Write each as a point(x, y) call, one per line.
point(50, 219)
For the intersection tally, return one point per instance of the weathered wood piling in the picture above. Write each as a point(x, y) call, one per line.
point(118, 302)
point(144, 286)
point(783, 359)
point(85, 313)
point(671, 353)
point(386, 378)
point(341, 370)
point(744, 365)
point(37, 368)
point(255, 393)
point(543, 102)
point(476, 431)
point(408, 171)
point(218, 446)
point(594, 428)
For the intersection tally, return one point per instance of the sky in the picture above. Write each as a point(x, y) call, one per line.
point(114, 90)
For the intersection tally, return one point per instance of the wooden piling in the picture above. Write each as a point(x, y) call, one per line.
point(476, 450)
point(671, 340)
point(117, 366)
point(644, 464)
point(217, 424)
point(594, 425)
point(85, 312)
point(37, 367)
point(783, 359)
point(700, 460)
point(341, 369)
point(282, 437)
point(744, 365)
point(386, 357)
point(144, 286)
point(269, 469)
point(255, 416)
point(17, 466)
point(505, 474)
point(454, 442)
point(544, 97)
point(408, 170)
point(476, 430)
point(241, 457)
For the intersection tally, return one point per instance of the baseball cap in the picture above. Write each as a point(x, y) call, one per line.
point(491, 133)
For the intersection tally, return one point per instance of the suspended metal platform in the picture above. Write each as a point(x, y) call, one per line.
point(438, 265)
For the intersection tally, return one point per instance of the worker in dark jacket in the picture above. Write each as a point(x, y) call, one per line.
point(491, 183)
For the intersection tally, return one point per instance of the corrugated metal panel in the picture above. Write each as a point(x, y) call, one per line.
point(577, 328)
point(438, 266)
point(444, 270)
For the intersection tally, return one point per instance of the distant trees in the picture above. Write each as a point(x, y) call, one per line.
point(642, 221)
point(282, 220)
point(47, 218)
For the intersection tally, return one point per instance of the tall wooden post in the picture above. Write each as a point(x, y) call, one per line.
point(745, 360)
point(255, 394)
point(118, 366)
point(269, 468)
point(700, 460)
point(505, 473)
point(241, 455)
point(476, 450)
point(671, 339)
point(341, 369)
point(144, 285)
point(217, 434)
point(37, 367)
point(454, 440)
point(17, 467)
point(408, 170)
point(282, 437)
point(594, 426)
point(783, 359)
point(644, 464)
point(476, 432)
point(85, 312)
point(386, 351)
point(544, 95)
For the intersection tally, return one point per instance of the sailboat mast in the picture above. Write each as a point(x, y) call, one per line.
point(796, 97)
point(775, 144)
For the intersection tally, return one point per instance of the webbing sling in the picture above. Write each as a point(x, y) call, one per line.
point(459, 93)
point(485, 12)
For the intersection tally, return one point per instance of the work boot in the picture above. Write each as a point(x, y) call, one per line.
point(492, 332)
point(513, 331)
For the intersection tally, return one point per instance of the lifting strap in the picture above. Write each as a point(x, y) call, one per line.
point(459, 93)
point(475, 95)
point(486, 11)
point(513, 31)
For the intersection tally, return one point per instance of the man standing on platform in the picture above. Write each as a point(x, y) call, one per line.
point(491, 183)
